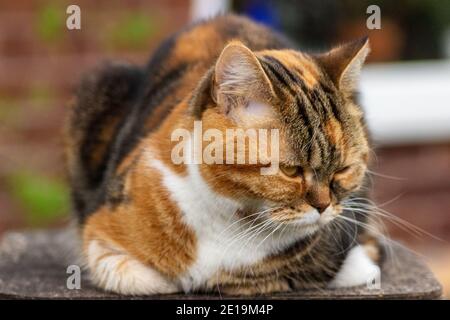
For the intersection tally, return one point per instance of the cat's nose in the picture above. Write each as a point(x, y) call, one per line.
point(319, 198)
point(321, 207)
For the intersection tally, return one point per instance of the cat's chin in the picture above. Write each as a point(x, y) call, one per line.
point(305, 224)
point(304, 230)
point(292, 231)
point(309, 220)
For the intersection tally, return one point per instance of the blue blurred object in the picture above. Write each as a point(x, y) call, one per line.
point(263, 11)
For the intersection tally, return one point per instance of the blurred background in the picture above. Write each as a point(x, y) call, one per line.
point(405, 91)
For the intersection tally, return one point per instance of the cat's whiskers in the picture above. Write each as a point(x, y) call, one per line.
point(270, 234)
point(254, 234)
point(260, 213)
point(247, 268)
point(249, 229)
point(380, 229)
point(237, 237)
point(369, 208)
point(372, 213)
point(381, 175)
point(386, 240)
point(257, 246)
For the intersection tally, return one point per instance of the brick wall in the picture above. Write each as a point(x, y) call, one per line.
point(414, 182)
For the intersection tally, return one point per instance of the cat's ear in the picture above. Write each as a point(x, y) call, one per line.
point(239, 76)
point(343, 64)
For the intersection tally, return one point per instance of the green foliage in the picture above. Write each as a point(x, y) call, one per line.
point(50, 22)
point(43, 199)
point(41, 95)
point(9, 110)
point(132, 31)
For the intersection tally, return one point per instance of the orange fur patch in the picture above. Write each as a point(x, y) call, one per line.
point(141, 229)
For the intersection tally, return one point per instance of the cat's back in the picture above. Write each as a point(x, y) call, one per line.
point(201, 43)
point(182, 59)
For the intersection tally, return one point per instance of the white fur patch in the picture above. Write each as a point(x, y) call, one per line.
point(259, 110)
point(327, 216)
point(223, 243)
point(113, 270)
point(357, 269)
point(254, 114)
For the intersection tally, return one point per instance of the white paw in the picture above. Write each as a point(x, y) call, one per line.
point(116, 271)
point(357, 269)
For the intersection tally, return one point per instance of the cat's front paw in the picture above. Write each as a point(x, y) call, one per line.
point(357, 269)
point(114, 270)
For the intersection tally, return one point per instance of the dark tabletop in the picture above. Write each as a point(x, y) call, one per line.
point(34, 265)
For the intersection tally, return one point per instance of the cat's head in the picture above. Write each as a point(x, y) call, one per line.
point(323, 143)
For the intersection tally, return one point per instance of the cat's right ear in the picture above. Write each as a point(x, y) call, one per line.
point(239, 76)
point(343, 64)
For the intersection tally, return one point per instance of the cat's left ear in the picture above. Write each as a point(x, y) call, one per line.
point(238, 75)
point(343, 64)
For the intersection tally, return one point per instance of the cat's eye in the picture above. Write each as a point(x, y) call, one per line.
point(291, 171)
point(343, 170)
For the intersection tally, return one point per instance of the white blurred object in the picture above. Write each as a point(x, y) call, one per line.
point(202, 9)
point(407, 103)
point(446, 42)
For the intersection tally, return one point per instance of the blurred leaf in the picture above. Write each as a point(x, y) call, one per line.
point(9, 110)
point(43, 199)
point(132, 31)
point(41, 95)
point(50, 23)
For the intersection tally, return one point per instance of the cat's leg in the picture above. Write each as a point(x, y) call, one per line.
point(358, 268)
point(114, 270)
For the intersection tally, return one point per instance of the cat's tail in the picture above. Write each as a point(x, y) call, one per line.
point(101, 103)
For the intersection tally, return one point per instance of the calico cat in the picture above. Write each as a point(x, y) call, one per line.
point(152, 226)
